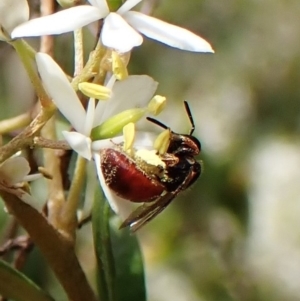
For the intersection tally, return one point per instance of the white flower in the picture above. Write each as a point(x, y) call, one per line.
point(134, 91)
point(12, 14)
point(137, 89)
point(121, 29)
point(13, 172)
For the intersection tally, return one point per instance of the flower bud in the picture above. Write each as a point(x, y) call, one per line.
point(114, 125)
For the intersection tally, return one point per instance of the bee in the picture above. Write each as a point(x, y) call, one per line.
point(155, 188)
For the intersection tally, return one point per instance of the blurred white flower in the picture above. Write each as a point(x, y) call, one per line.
point(274, 225)
point(12, 14)
point(13, 172)
point(121, 29)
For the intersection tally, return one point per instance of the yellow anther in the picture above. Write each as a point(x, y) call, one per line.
point(162, 142)
point(157, 104)
point(95, 91)
point(129, 135)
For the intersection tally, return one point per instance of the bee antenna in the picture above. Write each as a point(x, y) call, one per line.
point(189, 113)
point(157, 122)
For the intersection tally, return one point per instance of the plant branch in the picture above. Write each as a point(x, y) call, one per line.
point(58, 251)
point(48, 143)
point(91, 68)
point(25, 138)
point(69, 211)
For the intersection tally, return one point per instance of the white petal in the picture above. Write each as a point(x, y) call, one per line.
point(91, 182)
point(61, 91)
point(167, 33)
point(117, 34)
point(13, 13)
point(139, 89)
point(89, 120)
point(61, 22)
point(101, 4)
point(128, 5)
point(135, 91)
point(110, 83)
point(79, 143)
point(117, 204)
point(101, 105)
point(13, 170)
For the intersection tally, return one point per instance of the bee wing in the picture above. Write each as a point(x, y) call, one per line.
point(145, 213)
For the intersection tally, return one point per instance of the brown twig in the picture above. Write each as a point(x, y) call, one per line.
point(56, 197)
point(25, 138)
point(23, 244)
point(58, 251)
point(47, 143)
point(26, 245)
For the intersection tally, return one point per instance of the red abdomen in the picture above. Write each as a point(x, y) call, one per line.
point(126, 179)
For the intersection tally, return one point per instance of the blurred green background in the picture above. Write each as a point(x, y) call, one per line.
point(235, 235)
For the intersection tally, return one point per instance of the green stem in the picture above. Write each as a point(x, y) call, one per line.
point(69, 211)
point(90, 69)
point(56, 198)
point(78, 46)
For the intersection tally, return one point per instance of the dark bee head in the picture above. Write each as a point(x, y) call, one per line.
point(182, 144)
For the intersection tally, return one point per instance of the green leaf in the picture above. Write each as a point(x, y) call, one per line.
point(119, 258)
point(15, 285)
point(106, 270)
point(130, 280)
